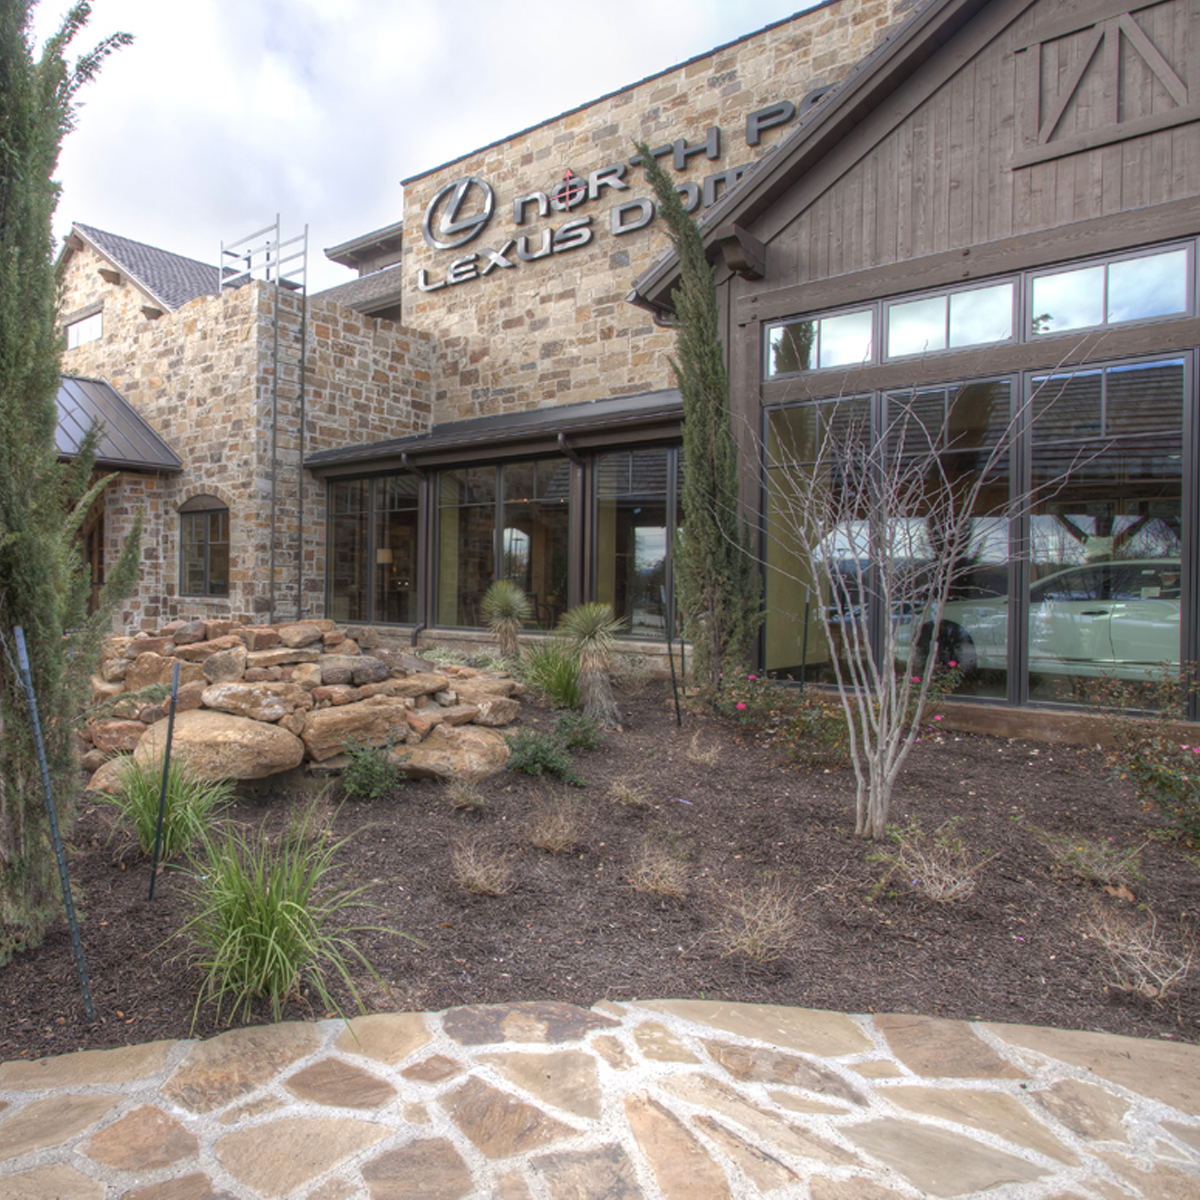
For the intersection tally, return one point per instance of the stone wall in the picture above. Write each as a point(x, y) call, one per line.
point(558, 329)
point(254, 701)
point(203, 378)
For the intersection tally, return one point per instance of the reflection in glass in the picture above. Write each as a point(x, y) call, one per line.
point(790, 347)
point(396, 549)
point(466, 554)
point(1154, 286)
point(534, 534)
point(916, 326)
point(349, 569)
point(982, 315)
point(1068, 300)
point(1107, 530)
point(846, 340)
point(632, 536)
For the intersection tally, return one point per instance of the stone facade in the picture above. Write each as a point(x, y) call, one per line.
point(558, 330)
point(203, 377)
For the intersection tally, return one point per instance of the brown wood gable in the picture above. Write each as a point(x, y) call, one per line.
point(1113, 73)
point(977, 146)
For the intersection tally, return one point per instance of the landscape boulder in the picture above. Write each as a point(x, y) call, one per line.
point(225, 665)
point(378, 721)
point(454, 752)
point(259, 701)
point(218, 745)
point(187, 632)
point(302, 634)
point(151, 668)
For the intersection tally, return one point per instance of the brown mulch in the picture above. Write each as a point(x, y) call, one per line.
point(574, 929)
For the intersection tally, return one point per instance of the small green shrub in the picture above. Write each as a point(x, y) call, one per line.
point(806, 726)
point(268, 918)
point(577, 732)
point(191, 804)
point(372, 771)
point(1165, 773)
point(538, 753)
point(937, 866)
point(1092, 861)
point(551, 667)
point(443, 656)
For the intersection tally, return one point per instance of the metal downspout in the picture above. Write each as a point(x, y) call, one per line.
point(300, 457)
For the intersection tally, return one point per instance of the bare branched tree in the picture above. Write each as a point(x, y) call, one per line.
point(883, 520)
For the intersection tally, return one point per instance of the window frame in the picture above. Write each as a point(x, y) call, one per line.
point(190, 511)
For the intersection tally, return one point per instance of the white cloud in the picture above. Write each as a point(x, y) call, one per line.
point(224, 112)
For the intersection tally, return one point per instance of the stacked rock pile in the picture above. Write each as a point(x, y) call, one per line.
point(257, 700)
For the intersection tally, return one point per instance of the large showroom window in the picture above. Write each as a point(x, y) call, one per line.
point(1102, 516)
point(637, 512)
point(373, 549)
point(517, 515)
point(1106, 529)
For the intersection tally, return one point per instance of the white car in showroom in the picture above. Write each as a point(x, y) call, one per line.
point(1118, 618)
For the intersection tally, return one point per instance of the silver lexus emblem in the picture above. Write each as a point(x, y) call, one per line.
point(453, 230)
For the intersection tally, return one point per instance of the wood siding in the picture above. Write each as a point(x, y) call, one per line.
point(943, 178)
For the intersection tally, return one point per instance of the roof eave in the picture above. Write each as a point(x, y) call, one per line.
point(869, 83)
point(134, 278)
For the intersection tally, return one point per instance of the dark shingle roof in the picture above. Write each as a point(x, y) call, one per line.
point(380, 289)
point(127, 443)
point(170, 278)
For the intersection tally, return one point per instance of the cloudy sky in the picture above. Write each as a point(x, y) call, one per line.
point(225, 112)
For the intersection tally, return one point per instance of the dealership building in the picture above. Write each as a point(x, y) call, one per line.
point(960, 203)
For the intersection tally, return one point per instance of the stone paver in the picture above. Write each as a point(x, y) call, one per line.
point(692, 1099)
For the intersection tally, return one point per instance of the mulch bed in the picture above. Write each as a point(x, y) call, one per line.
point(574, 929)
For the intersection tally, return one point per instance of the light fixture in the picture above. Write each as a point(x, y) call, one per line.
point(383, 557)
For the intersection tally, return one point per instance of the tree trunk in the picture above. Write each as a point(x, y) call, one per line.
point(598, 702)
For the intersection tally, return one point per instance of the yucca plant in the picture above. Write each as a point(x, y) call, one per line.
point(505, 609)
point(591, 630)
point(190, 804)
point(268, 918)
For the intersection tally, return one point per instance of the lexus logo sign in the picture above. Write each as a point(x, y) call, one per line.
point(452, 228)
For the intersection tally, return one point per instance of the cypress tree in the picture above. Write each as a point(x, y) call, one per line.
point(715, 581)
point(43, 587)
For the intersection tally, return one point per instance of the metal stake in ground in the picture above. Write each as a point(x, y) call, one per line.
point(162, 796)
point(76, 946)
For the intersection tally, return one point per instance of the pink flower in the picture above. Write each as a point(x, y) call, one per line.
point(916, 679)
point(740, 705)
point(952, 663)
point(937, 718)
point(753, 677)
point(1196, 749)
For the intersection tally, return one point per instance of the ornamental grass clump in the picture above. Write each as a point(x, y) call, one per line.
point(1144, 961)
point(505, 608)
point(190, 805)
point(271, 917)
point(551, 667)
point(1092, 861)
point(762, 921)
point(591, 630)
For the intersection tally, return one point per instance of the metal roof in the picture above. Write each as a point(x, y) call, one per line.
point(513, 430)
point(170, 278)
point(127, 443)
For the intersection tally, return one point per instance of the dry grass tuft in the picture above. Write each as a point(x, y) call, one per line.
point(631, 794)
point(936, 865)
point(631, 673)
point(464, 795)
point(1144, 962)
point(482, 869)
point(707, 756)
point(554, 824)
point(660, 871)
point(1092, 861)
point(762, 921)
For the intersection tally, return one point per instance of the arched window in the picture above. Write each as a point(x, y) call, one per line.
point(203, 547)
